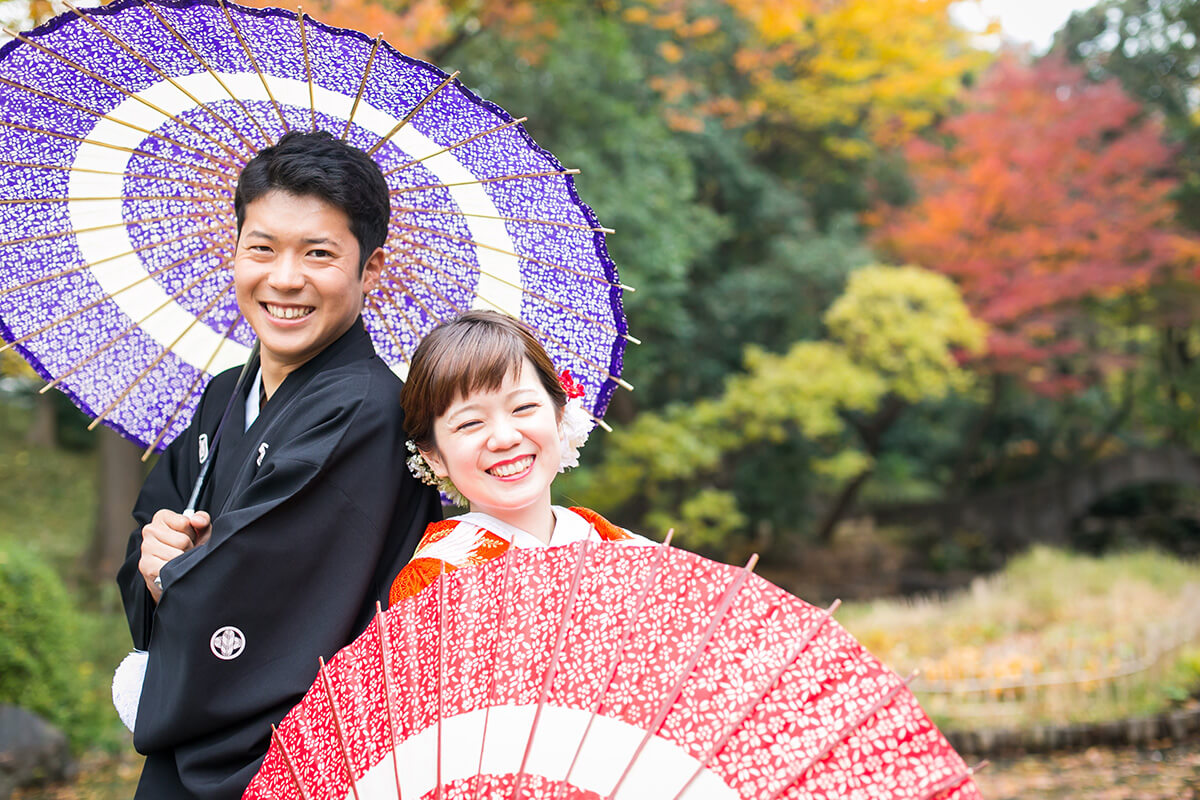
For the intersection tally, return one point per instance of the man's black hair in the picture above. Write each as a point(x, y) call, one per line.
point(315, 163)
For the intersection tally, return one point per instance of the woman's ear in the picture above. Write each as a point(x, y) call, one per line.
point(435, 463)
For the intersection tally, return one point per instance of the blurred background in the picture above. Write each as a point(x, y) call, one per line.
point(919, 291)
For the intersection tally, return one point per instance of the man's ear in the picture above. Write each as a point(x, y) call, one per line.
point(372, 269)
point(435, 463)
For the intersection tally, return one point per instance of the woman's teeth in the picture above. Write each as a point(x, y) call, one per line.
point(288, 312)
point(511, 468)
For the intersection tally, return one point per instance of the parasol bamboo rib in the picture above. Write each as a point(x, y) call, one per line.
point(441, 672)
point(577, 314)
point(287, 759)
point(24, 201)
point(128, 329)
point(135, 150)
point(105, 298)
point(157, 359)
point(312, 102)
point(408, 117)
point(99, 115)
point(85, 267)
point(836, 740)
point(480, 181)
point(584, 556)
point(362, 86)
point(207, 68)
point(387, 325)
point(561, 345)
point(186, 395)
point(648, 582)
point(116, 87)
point(164, 76)
point(75, 231)
point(491, 701)
point(139, 175)
point(254, 63)
point(530, 220)
point(660, 716)
point(530, 259)
point(747, 708)
point(337, 725)
point(388, 692)
point(454, 146)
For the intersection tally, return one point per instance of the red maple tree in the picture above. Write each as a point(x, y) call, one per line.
point(1047, 194)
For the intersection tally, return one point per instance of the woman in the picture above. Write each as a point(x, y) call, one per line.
point(491, 426)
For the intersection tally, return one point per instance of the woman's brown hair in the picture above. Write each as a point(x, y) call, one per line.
point(471, 353)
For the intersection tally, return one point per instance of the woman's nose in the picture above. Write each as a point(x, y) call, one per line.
point(504, 435)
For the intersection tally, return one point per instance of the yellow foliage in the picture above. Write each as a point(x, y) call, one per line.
point(905, 324)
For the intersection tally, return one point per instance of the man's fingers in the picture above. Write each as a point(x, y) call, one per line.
point(172, 520)
point(177, 540)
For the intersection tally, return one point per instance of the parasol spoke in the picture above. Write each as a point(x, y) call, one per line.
point(756, 697)
point(254, 63)
point(388, 693)
point(387, 295)
point(454, 146)
point(649, 580)
point(130, 328)
point(529, 220)
point(582, 558)
point(834, 741)
point(91, 171)
point(165, 77)
point(505, 588)
point(76, 231)
point(208, 68)
point(338, 727)
point(24, 201)
point(107, 297)
point(188, 394)
point(432, 289)
point(312, 102)
point(480, 181)
point(362, 85)
point(546, 336)
point(465, 240)
point(158, 359)
point(134, 150)
point(120, 89)
point(660, 716)
point(85, 267)
point(100, 115)
point(287, 759)
point(408, 117)
point(603, 325)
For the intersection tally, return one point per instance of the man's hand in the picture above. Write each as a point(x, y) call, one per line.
point(169, 535)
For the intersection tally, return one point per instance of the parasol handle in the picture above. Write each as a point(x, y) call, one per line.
point(198, 486)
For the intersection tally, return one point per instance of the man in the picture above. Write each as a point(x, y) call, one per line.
point(310, 510)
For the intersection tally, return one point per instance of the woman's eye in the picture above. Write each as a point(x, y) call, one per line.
point(468, 425)
point(526, 407)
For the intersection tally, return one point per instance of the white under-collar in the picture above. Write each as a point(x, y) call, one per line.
point(252, 405)
point(569, 528)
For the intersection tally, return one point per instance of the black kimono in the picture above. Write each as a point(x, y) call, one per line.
point(313, 513)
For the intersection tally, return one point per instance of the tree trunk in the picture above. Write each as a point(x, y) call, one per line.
point(117, 485)
point(43, 430)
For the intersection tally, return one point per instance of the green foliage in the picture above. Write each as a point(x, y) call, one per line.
point(41, 664)
point(895, 331)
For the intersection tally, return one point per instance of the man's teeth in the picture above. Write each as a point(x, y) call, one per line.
point(511, 468)
point(288, 312)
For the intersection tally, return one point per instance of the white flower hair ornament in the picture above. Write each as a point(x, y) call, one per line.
point(576, 422)
point(573, 433)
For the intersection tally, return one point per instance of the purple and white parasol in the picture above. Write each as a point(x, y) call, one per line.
point(123, 131)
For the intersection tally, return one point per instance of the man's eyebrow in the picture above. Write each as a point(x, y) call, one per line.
point(259, 234)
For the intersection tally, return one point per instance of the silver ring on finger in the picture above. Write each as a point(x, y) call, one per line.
point(158, 582)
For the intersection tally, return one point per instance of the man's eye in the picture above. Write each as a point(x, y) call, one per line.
point(320, 254)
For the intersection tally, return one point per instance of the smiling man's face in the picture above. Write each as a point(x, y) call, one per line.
point(297, 278)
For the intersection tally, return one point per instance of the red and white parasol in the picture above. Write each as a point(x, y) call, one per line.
point(600, 671)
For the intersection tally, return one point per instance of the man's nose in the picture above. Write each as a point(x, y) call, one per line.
point(286, 273)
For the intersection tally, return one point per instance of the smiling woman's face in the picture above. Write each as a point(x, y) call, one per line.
point(500, 447)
